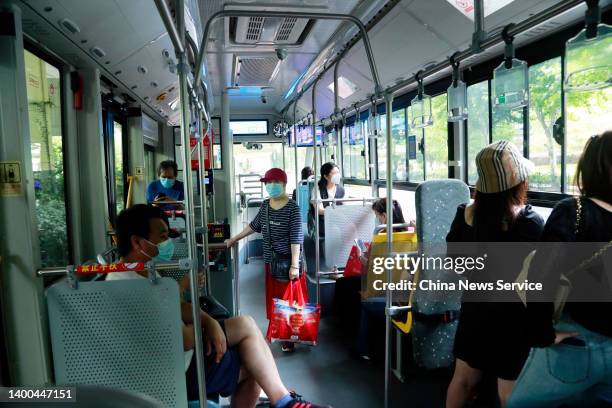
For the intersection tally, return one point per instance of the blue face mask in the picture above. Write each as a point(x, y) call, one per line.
point(275, 189)
point(166, 182)
point(165, 251)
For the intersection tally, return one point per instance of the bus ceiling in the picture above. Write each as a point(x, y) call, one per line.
point(263, 62)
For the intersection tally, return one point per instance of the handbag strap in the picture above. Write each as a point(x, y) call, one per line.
point(598, 253)
point(269, 234)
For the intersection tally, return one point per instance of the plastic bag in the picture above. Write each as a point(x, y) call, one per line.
point(293, 319)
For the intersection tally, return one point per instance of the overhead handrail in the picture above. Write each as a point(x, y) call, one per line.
point(492, 40)
point(296, 14)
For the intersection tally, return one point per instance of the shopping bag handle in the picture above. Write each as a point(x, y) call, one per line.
point(289, 294)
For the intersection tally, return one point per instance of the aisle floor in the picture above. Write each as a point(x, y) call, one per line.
point(328, 373)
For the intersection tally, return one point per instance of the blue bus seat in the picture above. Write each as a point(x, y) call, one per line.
point(107, 333)
point(436, 205)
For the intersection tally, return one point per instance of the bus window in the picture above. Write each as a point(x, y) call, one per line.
point(399, 153)
point(477, 125)
point(436, 140)
point(544, 110)
point(44, 114)
point(257, 158)
point(508, 125)
point(405, 199)
point(587, 114)
point(357, 191)
point(119, 174)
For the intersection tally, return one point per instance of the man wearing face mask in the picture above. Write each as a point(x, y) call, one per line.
point(238, 361)
point(280, 225)
point(167, 187)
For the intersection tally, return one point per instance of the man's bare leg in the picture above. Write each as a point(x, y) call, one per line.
point(255, 355)
point(247, 392)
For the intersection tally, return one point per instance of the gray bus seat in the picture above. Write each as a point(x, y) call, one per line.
point(436, 205)
point(343, 224)
point(122, 334)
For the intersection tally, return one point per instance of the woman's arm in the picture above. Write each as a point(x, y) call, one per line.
point(242, 234)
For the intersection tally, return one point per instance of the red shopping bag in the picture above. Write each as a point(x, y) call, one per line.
point(353, 264)
point(293, 319)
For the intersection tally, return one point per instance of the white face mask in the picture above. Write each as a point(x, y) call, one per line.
point(336, 178)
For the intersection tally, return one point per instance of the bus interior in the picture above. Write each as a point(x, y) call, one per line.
point(399, 94)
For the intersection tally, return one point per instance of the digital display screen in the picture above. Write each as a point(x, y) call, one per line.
point(249, 127)
point(304, 136)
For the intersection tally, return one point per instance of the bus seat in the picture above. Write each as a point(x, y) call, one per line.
point(106, 333)
point(403, 241)
point(436, 205)
point(303, 199)
point(343, 225)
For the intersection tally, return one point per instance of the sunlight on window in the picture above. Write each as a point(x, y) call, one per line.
point(44, 114)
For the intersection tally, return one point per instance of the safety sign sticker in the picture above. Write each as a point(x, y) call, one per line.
point(10, 179)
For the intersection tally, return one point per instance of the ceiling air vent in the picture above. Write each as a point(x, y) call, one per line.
point(70, 26)
point(284, 31)
point(254, 70)
point(254, 28)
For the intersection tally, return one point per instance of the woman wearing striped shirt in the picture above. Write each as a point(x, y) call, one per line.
point(283, 234)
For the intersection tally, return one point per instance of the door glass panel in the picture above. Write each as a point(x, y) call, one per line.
point(44, 115)
point(119, 176)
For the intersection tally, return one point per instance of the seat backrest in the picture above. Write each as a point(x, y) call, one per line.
point(403, 242)
point(181, 251)
point(344, 224)
point(303, 198)
point(436, 205)
point(124, 334)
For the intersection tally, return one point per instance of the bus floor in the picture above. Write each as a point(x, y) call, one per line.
point(328, 373)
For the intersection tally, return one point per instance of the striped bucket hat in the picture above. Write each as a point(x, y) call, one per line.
point(500, 167)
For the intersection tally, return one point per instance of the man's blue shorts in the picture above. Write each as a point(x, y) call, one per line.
point(221, 378)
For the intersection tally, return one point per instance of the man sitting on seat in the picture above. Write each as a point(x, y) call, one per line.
point(238, 360)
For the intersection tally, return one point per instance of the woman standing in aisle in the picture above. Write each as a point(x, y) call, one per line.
point(280, 225)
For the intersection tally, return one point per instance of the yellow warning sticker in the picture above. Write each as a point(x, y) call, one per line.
point(10, 179)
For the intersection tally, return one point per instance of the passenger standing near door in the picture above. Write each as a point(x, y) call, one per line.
point(571, 362)
point(491, 337)
point(329, 187)
point(167, 187)
point(280, 225)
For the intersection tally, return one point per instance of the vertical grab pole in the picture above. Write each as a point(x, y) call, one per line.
point(389, 118)
point(183, 71)
point(317, 192)
point(297, 179)
point(203, 206)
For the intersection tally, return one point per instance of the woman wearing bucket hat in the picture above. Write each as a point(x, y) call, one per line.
point(489, 337)
point(280, 225)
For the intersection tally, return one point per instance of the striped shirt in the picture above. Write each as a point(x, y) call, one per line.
point(286, 228)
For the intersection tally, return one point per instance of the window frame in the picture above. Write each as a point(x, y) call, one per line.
point(64, 69)
point(113, 112)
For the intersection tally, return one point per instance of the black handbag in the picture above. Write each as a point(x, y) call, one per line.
point(280, 264)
